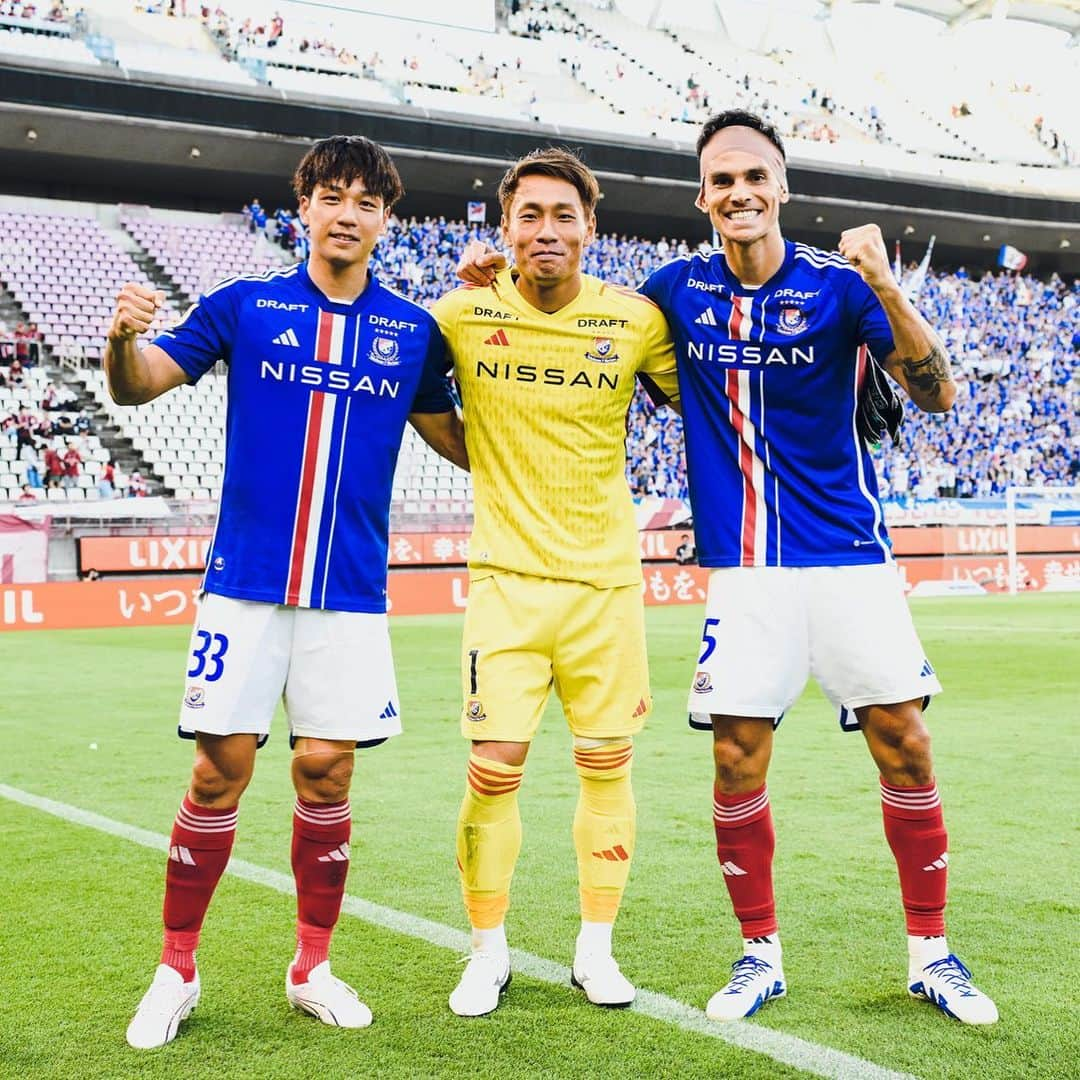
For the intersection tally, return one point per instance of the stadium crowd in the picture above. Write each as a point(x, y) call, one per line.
point(283, 227)
point(1014, 340)
point(54, 11)
point(799, 109)
point(48, 435)
point(21, 345)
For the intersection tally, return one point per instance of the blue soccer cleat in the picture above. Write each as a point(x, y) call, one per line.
point(753, 982)
point(947, 983)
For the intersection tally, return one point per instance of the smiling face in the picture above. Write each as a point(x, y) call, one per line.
point(343, 223)
point(741, 194)
point(547, 226)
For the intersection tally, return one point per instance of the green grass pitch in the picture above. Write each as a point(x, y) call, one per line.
point(80, 910)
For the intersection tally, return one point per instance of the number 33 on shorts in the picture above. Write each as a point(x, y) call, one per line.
point(208, 656)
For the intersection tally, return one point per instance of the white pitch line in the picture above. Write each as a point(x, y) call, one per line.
point(789, 1049)
point(1001, 628)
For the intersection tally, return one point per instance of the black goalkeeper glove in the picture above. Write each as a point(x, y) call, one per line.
point(881, 410)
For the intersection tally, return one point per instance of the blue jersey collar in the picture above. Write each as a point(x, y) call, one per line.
point(736, 286)
point(372, 287)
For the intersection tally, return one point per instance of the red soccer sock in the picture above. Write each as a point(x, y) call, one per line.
point(199, 848)
point(745, 841)
point(915, 829)
point(320, 861)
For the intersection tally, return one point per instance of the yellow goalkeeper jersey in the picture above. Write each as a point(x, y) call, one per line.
point(545, 398)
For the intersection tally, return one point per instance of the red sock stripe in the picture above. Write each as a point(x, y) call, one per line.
point(603, 751)
point(730, 811)
point(745, 841)
point(323, 813)
point(611, 759)
point(199, 846)
point(206, 819)
point(915, 830)
point(320, 863)
point(490, 781)
point(919, 800)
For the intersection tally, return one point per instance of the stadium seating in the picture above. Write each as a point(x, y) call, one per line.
point(13, 469)
point(1024, 351)
point(195, 256)
point(48, 47)
point(180, 435)
point(1014, 340)
point(578, 64)
point(319, 83)
point(189, 64)
point(65, 271)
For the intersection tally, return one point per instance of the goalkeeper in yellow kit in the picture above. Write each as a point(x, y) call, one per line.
point(545, 359)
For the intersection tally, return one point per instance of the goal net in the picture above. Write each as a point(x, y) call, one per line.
point(1042, 538)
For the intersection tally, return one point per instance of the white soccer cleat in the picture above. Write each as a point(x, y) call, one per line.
point(947, 983)
point(327, 998)
point(168, 1002)
point(753, 982)
point(483, 982)
point(602, 981)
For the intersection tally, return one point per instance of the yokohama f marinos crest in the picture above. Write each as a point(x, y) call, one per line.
point(792, 321)
point(475, 710)
point(702, 682)
point(603, 351)
point(384, 350)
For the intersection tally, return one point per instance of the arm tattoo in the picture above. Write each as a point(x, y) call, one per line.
point(928, 374)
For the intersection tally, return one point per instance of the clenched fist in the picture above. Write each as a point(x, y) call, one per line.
point(479, 262)
point(864, 248)
point(136, 308)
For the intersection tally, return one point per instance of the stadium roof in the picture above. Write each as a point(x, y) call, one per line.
point(1061, 14)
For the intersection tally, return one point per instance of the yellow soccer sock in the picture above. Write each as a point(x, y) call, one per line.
point(604, 825)
point(488, 839)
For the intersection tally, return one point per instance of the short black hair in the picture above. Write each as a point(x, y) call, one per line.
point(557, 161)
point(341, 159)
point(739, 118)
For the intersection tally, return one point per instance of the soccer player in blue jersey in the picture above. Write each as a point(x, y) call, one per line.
point(325, 366)
point(774, 339)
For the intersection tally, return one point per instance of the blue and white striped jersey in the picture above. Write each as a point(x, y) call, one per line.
point(318, 396)
point(769, 379)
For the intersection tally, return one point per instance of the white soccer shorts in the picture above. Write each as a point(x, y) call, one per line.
point(332, 670)
point(768, 629)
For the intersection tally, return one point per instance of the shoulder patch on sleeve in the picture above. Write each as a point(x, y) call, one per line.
point(624, 290)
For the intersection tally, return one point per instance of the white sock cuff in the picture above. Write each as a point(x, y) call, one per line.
point(493, 940)
point(762, 945)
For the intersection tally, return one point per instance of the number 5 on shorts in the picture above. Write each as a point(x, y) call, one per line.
point(202, 656)
point(708, 640)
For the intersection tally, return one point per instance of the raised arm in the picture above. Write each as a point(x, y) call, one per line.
point(135, 375)
point(919, 362)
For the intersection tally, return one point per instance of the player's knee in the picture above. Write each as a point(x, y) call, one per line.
point(216, 782)
point(323, 775)
point(913, 755)
point(738, 764)
point(506, 753)
point(902, 743)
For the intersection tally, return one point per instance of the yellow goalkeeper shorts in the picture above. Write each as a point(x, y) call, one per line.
point(524, 634)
